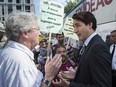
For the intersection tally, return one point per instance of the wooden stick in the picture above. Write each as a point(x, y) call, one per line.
point(49, 44)
point(68, 43)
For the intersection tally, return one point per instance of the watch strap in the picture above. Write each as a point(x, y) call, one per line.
point(47, 82)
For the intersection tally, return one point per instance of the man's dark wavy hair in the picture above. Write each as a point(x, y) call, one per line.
point(86, 18)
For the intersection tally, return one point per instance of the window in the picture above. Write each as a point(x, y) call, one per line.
point(27, 1)
point(9, 0)
point(18, 7)
point(18, 1)
point(1, 0)
point(3, 19)
point(2, 9)
point(10, 9)
point(27, 8)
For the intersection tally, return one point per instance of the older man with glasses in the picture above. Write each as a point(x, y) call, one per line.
point(17, 67)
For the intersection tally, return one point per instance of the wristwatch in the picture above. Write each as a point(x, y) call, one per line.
point(47, 82)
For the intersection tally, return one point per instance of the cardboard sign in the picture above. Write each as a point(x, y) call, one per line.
point(69, 30)
point(51, 16)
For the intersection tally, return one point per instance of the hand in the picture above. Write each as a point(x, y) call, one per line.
point(64, 81)
point(70, 73)
point(59, 83)
point(52, 67)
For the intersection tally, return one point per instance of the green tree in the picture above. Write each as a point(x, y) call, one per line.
point(70, 5)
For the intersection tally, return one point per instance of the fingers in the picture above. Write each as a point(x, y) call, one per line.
point(56, 81)
point(64, 80)
point(56, 58)
point(52, 66)
point(57, 61)
point(48, 59)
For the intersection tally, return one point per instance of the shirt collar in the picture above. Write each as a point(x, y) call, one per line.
point(21, 47)
point(89, 38)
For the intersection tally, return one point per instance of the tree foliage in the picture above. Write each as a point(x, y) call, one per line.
point(70, 5)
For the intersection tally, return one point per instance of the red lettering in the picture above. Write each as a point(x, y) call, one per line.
point(108, 1)
point(99, 2)
point(87, 6)
point(92, 6)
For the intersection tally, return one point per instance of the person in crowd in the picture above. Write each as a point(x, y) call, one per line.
point(17, 67)
point(61, 49)
point(42, 43)
point(53, 39)
point(94, 69)
point(113, 55)
point(60, 38)
point(42, 56)
point(2, 33)
point(71, 52)
point(40, 53)
point(60, 41)
point(108, 41)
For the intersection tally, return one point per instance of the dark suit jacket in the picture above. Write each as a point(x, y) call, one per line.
point(94, 68)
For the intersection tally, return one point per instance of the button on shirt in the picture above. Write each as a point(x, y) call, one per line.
point(114, 57)
point(17, 68)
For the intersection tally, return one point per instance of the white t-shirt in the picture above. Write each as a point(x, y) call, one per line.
point(17, 68)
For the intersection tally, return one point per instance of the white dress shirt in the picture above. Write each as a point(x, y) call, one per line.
point(89, 38)
point(114, 57)
point(17, 68)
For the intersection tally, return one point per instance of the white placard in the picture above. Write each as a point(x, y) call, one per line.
point(69, 29)
point(51, 16)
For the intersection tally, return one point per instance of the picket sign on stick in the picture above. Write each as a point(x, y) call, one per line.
point(68, 43)
point(49, 41)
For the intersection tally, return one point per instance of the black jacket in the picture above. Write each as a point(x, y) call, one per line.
point(94, 68)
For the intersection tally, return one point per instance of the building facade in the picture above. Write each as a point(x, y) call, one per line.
point(7, 6)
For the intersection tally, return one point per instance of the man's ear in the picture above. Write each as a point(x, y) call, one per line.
point(24, 34)
point(90, 25)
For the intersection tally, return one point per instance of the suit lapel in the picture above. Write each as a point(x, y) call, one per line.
point(86, 50)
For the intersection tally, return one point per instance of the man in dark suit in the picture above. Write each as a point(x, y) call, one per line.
point(94, 68)
point(113, 55)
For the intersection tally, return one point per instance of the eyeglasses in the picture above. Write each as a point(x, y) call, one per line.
point(33, 29)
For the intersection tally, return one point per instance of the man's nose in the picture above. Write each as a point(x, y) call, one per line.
point(76, 30)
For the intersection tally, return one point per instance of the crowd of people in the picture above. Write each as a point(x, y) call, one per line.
point(24, 61)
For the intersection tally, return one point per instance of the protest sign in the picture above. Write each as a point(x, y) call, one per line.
point(51, 16)
point(69, 29)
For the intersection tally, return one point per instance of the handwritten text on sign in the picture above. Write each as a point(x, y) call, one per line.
point(69, 29)
point(51, 16)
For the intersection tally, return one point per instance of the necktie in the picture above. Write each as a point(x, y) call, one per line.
point(81, 52)
point(82, 49)
point(113, 51)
